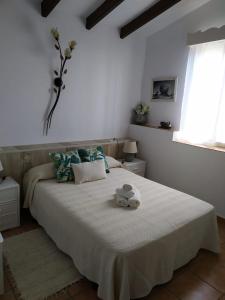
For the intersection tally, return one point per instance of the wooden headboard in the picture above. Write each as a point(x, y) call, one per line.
point(18, 160)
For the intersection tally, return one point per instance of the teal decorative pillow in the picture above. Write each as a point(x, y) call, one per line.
point(92, 154)
point(63, 161)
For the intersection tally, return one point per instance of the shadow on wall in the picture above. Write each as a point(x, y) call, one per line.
point(35, 4)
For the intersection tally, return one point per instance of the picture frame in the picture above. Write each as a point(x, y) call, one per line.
point(164, 89)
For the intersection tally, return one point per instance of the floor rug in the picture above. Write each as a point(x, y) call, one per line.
point(39, 269)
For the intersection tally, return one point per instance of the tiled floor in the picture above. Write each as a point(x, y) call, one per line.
point(202, 279)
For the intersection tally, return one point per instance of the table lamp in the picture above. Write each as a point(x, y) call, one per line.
point(130, 149)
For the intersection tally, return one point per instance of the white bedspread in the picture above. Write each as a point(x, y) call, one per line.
point(127, 252)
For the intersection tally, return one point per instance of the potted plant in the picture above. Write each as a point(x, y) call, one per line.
point(141, 114)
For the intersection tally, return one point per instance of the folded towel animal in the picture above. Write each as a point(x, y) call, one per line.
point(128, 187)
point(133, 194)
point(125, 194)
point(133, 203)
point(128, 198)
point(121, 201)
point(136, 197)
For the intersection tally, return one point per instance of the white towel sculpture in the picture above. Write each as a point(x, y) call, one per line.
point(121, 201)
point(128, 196)
point(128, 187)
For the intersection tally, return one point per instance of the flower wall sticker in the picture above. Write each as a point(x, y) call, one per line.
point(58, 80)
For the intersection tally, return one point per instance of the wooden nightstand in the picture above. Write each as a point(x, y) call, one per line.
point(9, 204)
point(1, 266)
point(136, 166)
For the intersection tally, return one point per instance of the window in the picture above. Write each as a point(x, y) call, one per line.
point(203, 111)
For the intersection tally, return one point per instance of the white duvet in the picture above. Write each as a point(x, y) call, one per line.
point(127, 252)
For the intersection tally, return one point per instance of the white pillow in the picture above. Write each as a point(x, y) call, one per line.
point(112, 162)
point(89, 171)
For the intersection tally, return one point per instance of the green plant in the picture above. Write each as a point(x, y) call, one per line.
point(141, 109)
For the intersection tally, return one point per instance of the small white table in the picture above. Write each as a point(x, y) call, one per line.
point(1, 266)
point(9, 204)
point(137, 166)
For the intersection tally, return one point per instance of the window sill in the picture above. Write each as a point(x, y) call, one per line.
point(180, 141)
point(155, 127)
point(214, 148)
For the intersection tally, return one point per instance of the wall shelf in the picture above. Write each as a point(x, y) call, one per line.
point(155, 127)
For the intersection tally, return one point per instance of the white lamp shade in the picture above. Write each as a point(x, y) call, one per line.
point(130, 147)
point(1, 166)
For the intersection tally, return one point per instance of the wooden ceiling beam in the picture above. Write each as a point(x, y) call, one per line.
point(153, 12)
point(101, 12)
point(47, 6)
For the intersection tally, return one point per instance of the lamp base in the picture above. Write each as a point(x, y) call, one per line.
point(129, 157)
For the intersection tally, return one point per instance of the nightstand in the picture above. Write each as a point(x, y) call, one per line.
point(136, 166)
point(9, 204)
point(1, 266)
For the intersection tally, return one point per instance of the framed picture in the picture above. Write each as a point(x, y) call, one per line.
point(164, 89)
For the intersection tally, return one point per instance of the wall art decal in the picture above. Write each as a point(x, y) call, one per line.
point(58, 83)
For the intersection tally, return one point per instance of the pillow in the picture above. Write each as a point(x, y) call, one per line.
point(112, 162)
point(89, 171)
point(62, 161)
point(92, 154)
point(45, 171)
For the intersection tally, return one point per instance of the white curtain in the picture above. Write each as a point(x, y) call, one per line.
point(203, 111)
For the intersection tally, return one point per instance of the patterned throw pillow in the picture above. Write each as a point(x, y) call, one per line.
point(62, 161)
point(92, 154)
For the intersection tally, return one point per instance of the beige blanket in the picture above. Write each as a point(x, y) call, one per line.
point(127, 252)
point(45, 171)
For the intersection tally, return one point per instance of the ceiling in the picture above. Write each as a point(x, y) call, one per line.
point(129, 9)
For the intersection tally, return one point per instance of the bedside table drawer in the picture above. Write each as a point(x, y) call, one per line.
point(9, 204)
point(8, 194)
point(8, 221)
point(137, 169)
point(1, 267)
point(134, 170)
point(140, 172)
point(7, 208)
point(137, 166)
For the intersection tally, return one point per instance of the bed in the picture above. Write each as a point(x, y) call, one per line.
point(126, 252)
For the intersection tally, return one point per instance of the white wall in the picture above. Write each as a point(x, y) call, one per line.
point(167, 55)
point(196, 171)
point(103, 82)
point(199, 172)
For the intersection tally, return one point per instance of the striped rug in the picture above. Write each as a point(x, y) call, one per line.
point(37, 267)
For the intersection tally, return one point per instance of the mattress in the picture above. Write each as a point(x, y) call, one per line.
point(125, 251)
